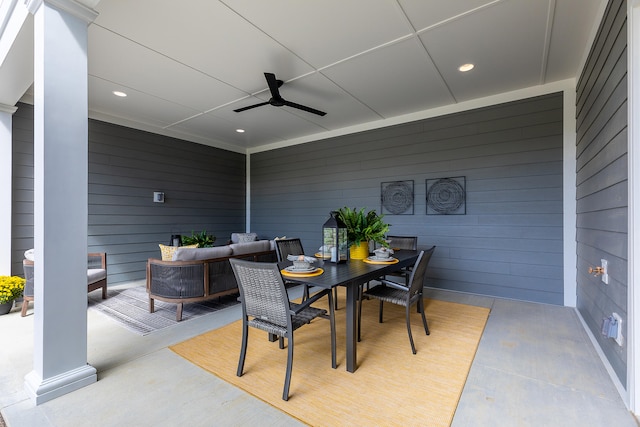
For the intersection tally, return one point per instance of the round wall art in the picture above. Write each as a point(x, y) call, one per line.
point(446, 196)
point(397, 198)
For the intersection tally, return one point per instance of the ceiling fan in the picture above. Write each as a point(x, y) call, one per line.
point(277, 100)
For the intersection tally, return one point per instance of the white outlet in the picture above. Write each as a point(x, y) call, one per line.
point(605, 271)
point(618, 338)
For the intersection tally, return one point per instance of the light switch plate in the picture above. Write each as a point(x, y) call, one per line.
point(605, 271)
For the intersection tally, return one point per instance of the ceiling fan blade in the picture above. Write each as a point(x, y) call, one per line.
point(274, 84)
point(304, 108)
point(251, 106)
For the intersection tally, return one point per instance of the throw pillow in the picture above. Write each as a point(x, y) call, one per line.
point(168, 251)
point(247, 237)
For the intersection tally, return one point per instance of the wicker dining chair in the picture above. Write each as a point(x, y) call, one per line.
point(286, 247)
point(293, 246)
point(397, 293)
point(266, 306)
point(403, 242)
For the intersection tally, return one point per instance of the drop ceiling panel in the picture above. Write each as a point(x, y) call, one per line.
point(137, 106)
point(116, 59)
point(324, 32)
point(425, 13)
point(207, 36)
point(212, 127)
point(395, 80)
point(569, 42)
point(506, 43)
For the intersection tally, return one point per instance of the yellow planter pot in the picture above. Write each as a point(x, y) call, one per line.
point(359, 251)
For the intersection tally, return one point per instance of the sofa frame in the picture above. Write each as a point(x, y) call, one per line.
point(183, 282)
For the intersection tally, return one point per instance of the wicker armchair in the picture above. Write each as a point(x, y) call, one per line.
point(266, 306)
point(96, 277)
point(400, 294)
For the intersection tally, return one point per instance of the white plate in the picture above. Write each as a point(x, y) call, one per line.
point(290, 269)
point(375, 258)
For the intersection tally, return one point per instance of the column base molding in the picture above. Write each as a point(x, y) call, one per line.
point(42, 390)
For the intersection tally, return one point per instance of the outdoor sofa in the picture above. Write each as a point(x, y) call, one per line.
point(199, 274)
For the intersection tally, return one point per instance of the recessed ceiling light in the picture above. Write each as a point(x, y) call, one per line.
point(119, 93)
point(240, 130)
point(466, 67)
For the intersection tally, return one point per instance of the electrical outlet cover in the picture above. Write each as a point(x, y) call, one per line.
point(618, 338)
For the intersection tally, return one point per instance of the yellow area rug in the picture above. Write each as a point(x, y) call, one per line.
point(391, 385)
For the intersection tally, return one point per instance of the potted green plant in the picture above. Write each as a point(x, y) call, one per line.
point(11, 287)
point(203, 239)
point(363, 227)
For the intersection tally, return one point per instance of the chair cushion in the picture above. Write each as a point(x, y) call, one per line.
point(168, 251)
point(247, 248)
point(95, 274)
point(194, 254)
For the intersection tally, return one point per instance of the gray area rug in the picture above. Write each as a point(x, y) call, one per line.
point(130, 308)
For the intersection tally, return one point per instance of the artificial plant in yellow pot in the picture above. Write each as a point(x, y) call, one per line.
point(363, 227)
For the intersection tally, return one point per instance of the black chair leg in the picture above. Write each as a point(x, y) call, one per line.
point(287, 378)
point(243, 349)
point(332, 323)
point(424, 319)
point(413, 347)
point(380, 315)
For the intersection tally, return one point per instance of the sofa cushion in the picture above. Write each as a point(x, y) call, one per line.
point(167, 251)
point(243, 237)
point(95, 274)
point(194, 254)
point(247, 248)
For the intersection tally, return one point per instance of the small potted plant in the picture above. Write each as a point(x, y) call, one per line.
point(363, 227)
point(203, 239)
point(11, 287)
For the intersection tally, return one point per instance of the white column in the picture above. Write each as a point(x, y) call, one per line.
point(60, 199)
point(569, 197)
point(633, 266)
point(6, 159)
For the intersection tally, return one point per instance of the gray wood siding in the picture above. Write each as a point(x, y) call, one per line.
point(601, 166)
point(204, 190)
point(22, 186)
point(509, 244)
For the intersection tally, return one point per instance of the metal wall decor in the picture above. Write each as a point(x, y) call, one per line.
point(446, 196)
point(397, 197)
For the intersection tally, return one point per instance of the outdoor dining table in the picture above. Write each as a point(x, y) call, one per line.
point(351, 275)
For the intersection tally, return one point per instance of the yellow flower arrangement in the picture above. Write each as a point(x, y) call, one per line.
point(11, 287)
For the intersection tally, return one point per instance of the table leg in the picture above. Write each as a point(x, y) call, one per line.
point(351, 309)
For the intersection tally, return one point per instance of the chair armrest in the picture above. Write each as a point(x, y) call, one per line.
point(394, 285)
point(297, 308)
point(97, 260)
point(176, 279)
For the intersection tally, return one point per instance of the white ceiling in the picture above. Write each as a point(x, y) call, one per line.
point(187, 65)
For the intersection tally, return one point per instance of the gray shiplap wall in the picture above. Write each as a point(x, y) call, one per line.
point(509, 243)
point(22, 186)
point(602, 181)
point(204, 190)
